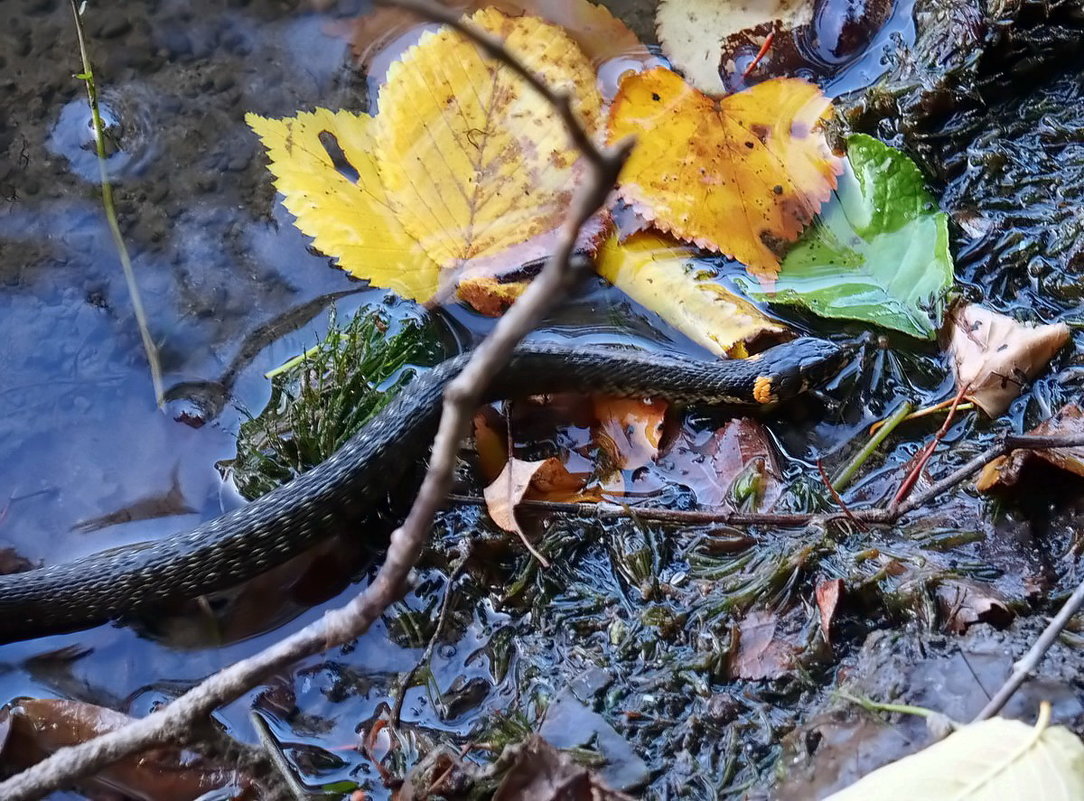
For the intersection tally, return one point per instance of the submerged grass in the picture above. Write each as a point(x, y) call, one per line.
point(322, 399)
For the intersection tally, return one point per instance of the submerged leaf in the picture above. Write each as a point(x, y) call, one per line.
point(629, 429)
point(324, 167)
point(995, 356)
point(880, 251)
point(993, 760)
point(1005, 471)
point(692, 32)
point(38, 727)
point(479, 166)
point(661, 275)
point(742, 175)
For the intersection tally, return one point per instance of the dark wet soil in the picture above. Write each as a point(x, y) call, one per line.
point(622, 648)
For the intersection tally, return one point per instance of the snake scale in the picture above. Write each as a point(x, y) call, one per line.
point(242, 543)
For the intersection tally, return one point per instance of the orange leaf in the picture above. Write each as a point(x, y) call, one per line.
point(629, 429)
point(742, 175)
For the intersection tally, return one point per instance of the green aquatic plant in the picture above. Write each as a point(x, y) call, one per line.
point(321, 399)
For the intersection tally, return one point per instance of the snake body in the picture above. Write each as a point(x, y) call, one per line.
point(336, 494)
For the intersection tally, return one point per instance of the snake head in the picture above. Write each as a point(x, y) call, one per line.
point(804, 363)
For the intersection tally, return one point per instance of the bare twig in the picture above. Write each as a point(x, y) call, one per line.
point(1027, 664)
point(173, 723)
point(886, 515)
point(271, 748)
point(427, 654)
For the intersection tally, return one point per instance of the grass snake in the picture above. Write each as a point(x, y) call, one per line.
point(243, 543)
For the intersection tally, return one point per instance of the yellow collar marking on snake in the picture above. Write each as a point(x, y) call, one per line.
point(762, 390)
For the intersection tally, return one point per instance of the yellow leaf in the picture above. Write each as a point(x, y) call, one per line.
point(661, 275)
point(480, 168)
point(347, 219)
point(742, 175)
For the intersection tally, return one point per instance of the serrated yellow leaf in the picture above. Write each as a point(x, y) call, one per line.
point(661, 275)
point(480, 167)
point(348, 219)
point(742, 175)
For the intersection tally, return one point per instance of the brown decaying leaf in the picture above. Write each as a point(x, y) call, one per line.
point(1005, 471)
point(548, 479)
point(964, 603)
point(828, 594)
point(381, 36)
point(995, 356)
point(629, 429)
point(539, 772)
point(761, 652)
point(710, 466)
point(41, 726)
point(742, 175)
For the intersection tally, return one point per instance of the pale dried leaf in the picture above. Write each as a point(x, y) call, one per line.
point(995, 356)
point(692, 31)
point(994, 760)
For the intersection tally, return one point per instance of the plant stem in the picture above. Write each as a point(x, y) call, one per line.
point(111, 212)
point(844, 476)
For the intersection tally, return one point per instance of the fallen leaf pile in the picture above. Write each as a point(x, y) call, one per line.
point(623, 451)
point(466, 171)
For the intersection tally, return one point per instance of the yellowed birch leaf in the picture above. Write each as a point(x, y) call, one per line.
point(324, 167)
point(480, 168)
point(662, 275)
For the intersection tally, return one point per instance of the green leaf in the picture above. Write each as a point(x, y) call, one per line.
point(879, 252)
point(994, 760)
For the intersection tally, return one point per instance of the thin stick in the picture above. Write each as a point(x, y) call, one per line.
point(844, 476)
point(111, 214)
point(427, 654)
point(173, 723)
point(927, 452)
point(271, 747)
point(839, 498)
point(1027, 665)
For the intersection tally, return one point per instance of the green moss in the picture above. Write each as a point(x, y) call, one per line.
point(323, 398)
